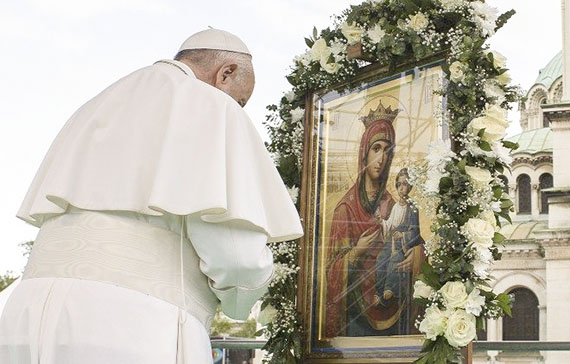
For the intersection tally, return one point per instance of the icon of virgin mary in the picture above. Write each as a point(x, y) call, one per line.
point(355, 242)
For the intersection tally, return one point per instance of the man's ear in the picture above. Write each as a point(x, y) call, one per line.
point(225, 74)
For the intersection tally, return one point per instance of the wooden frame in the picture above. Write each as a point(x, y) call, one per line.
point(370, 83)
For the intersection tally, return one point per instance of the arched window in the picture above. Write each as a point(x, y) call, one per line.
point(482, 334)
point(523, 186)
point(545, 181)
point(545, 121)
point(523, 325)
point(505, 183)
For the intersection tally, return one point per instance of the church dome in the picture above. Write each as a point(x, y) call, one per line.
point(533, 141)
point(550, 72)
point(522, 230)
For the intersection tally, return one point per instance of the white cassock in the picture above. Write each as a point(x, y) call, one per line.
point(155, 203)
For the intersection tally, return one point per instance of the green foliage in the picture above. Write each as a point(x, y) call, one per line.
point(505, 303)
point(436, 352)
point(220, 324)
point(466, 99)
point(246, 329)
point(6, 279)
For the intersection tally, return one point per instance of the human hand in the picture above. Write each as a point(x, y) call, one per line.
point(397, 235)
point(406, 264)
point(365, 242)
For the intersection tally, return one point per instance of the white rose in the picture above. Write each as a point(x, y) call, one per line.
point(329, 67)
point(434, 322)
point(376, 34)
point(504, 78)
point(499, 60)
point(319, 50)
point(475, 302)
point(497, 114)
point(479, 176)
point(479, 232)
point(454, 294)
point(422, 290)
point(267, 315)
point(352, 32)
point(494, 128)
point(488, 216)
point(457, 72)
point(460, 329)
point(418, 22)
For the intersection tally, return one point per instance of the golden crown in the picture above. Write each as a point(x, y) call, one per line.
point(381, 113)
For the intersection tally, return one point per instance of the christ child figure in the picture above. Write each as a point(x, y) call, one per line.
point(401, 232)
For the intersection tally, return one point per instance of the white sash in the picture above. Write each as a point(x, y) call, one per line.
point(125, 252)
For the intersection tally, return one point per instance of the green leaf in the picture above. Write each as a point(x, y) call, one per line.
point(469, 286)
point(503, 18)
point(445, 184)
point(461, 165)
point(499, 167)
point(427, 345)
point(472, 211)
point(483, 144)
point(480, 323)
point(497, 192)
point(506, 204)
point(442, 221)
point(510, 145)
point(498, 238)
point(309, 42)
point(505, 215)
point(504, 302)
point(424, 359)
point(315, 33)
point(430, 276)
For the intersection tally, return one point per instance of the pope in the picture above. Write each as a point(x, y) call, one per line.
point(154, 204)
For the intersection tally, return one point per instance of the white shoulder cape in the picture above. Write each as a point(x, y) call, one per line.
point(161, 141)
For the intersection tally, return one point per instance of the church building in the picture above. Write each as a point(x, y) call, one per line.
point(536, 259)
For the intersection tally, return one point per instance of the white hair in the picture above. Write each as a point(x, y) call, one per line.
point(209, 60)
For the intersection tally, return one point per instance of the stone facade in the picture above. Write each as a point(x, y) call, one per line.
point(536, 254)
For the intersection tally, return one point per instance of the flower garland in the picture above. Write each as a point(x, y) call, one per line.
point(459, 180)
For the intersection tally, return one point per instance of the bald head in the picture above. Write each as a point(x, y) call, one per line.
point(231, 72)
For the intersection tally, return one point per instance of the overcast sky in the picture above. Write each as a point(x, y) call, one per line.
point(57, 54)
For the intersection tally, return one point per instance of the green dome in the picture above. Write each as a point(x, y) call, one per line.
point(551, 72)
point(533, 141)
point(522, 230)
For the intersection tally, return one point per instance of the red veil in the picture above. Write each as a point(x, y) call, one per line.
point(351, 218)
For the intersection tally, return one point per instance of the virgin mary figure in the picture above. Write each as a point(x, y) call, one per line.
point(355, 240)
